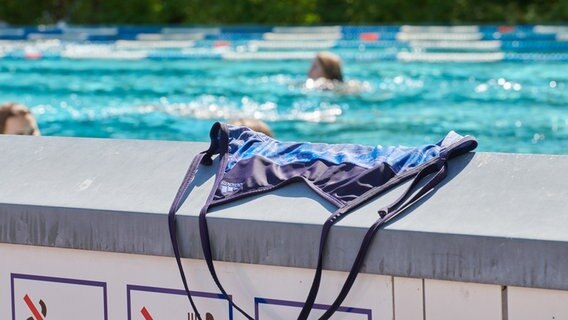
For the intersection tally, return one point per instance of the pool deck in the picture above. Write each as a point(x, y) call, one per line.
point(497, 218)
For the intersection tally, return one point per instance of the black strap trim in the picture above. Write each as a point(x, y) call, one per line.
point(440, 170)
point(310, 300)
point(220, 134)
point(219, 144)
point(178, 201)
point(336, 217)
point(206, 242)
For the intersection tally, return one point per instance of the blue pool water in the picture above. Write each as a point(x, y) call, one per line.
point(509, 107)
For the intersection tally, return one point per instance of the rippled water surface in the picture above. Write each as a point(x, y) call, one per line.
point(509, 107)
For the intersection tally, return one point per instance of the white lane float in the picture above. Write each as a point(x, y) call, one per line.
point(450, 57)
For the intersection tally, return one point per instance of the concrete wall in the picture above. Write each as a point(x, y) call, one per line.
point(490, 243)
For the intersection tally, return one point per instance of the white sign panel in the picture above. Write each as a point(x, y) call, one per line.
point(42, 298)
point(151, 303)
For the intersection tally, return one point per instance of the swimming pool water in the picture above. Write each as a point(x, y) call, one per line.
point(509, 107)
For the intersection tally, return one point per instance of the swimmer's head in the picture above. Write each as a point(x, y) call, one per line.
point(17, 119)
point(255, 125)
point(326, 65)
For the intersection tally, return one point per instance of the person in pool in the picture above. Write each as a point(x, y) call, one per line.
point(325, 74)
point(254, 124)
point(17, 119)
point(326, 65)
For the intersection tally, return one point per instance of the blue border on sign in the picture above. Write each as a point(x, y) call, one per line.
point(131, 287)
point(90, 283)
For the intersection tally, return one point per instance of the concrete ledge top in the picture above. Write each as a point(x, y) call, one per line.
point(497, 218)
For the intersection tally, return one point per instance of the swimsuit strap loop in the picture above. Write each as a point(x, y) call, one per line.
point(222, 139)
point(219, 136)
point(206, 241)
point(433, 167)
point(178, 201)
point(439, 169)
point(310, 300)
point(207, 253)
point(339, 214)
point(219, 145)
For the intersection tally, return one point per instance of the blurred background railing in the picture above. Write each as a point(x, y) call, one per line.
point(367, 43)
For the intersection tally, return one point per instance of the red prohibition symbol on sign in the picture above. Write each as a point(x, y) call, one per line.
point(146, 314)
point(37, 315)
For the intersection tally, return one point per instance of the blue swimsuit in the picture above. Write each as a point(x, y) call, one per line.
point(346, 175)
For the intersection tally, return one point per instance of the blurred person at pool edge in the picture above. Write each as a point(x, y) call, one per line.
point(17, 119)
point(326, 65)
point(255, 125)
